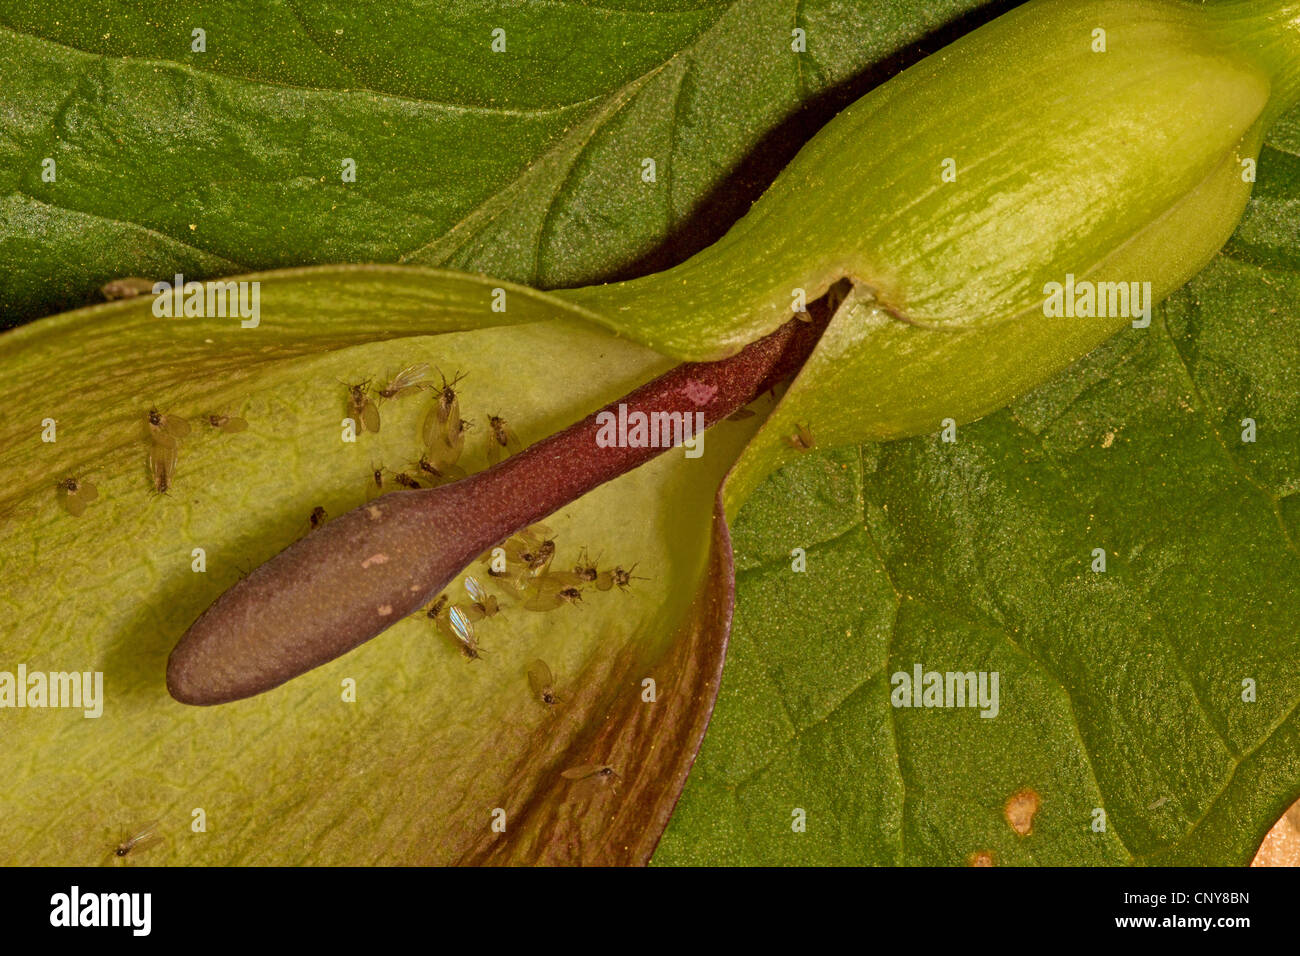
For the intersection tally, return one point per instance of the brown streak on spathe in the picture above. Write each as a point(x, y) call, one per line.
point(652, 746)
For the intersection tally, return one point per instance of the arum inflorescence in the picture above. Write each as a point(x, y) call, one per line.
point(1107, 144)
point(391, 556)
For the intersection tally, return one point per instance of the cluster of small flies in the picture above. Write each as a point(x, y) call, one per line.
point(442, 430)
point(163, 435)
point(521, 568)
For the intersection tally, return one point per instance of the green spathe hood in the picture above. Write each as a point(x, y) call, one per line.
point(1104, 140)
point(1076, 132)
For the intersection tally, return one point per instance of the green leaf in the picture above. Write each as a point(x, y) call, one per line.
point(1119, 690)
point(524, 164)
point(414, 768)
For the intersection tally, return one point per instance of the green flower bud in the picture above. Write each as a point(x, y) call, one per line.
point(1066, 146)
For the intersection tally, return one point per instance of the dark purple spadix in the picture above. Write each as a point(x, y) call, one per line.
point(356, 576)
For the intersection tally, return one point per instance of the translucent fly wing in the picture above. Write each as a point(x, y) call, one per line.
point(231, 424)
point(159, 436)
point(562, 579)
point(162, 464)
point(516, 547)
point(73, 503)
point(476, 591)
point(535, 534)
point(144, 843)
point(460, 624)
point(534, 557)
point(543, 602)
point(442, 453)
point(549, 596)
point(370, 416)
point(802, 439)
point(176, 427)
point(448, 410)
point(514, 579)
point(549, 583)
point(446, 447)
point(430, 427)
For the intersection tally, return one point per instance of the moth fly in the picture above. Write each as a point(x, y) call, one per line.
point(618, 578)
point(448, 408)
point(548, 593)
point(501, 438)
point(484, 604)
point(407, 380)
point(603, 770)
point(542, 682)
point(133, 844)
point(230, 424)
point(360, 408)
point(457, 624)
point(166, 427)
point(434, 610)
point(75, 493)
